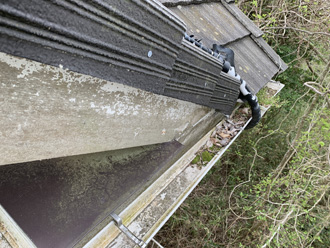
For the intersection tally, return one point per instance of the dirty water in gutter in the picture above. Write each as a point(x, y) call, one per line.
point(57, 201)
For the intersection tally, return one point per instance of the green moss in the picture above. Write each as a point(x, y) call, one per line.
point(196, 159)
point(206, 156)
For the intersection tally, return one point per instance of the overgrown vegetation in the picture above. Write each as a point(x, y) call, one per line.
point(271, 189)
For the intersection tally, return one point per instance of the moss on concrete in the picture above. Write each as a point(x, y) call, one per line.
point(196, 159)
point(206, 156)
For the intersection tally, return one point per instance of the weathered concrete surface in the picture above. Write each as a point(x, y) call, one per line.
point(48, 112)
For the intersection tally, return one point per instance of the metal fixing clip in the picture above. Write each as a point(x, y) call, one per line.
point(127, 232)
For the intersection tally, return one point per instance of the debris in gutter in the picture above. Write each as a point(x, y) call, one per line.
point(224, 132)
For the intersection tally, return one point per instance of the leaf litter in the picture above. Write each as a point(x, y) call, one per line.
point(224, 132)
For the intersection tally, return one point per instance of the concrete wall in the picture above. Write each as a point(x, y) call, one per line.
point(48, 112)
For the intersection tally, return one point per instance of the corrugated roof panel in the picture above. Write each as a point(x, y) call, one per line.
point(252, 64)
point(211, 22)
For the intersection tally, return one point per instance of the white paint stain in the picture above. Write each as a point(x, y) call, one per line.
point(137, 131)
point(162, 196)
point(26, 68)
point(191, 172)
point(111, 87)
point(135, 228)
point(108, 109)
point(72, 99)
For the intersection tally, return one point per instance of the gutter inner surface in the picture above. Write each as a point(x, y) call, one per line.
point(57, 201)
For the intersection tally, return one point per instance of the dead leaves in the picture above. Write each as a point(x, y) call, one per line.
point(224, 135)
point(221, 136)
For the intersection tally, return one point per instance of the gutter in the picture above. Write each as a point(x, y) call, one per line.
point(149, 212)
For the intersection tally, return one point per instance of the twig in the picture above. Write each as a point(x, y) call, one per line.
point(278, 227)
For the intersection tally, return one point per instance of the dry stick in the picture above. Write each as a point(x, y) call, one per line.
point(278, 227)
point(311, 69)
point(309, 85)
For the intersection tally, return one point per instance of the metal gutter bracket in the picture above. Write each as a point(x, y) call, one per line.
point(127, 232)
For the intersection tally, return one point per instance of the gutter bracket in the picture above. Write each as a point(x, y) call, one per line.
point(127, 232)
